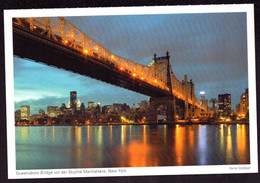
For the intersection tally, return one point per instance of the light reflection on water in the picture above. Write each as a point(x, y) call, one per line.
point(50, 147)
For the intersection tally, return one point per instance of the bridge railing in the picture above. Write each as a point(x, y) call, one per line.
point(60, 30)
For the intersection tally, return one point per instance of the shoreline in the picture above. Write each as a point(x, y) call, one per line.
point(152, 124)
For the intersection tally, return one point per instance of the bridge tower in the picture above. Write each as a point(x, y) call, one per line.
point(189, 111)
point(168, 101)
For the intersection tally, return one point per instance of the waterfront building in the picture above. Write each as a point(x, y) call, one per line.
point(203, 101)
point(134, 108)
point(34, 119)
point(244, 103)
point(73, 100)
point(97, 107)
point(17, 115)
point(214, 106)
point(238, 108)
point(224, 104)
point(25, 112)
point(63, 109)
point(41, 113)
point(91, 105)
point(53, 111)
point(82, 108)
point(143, 105)
point(78, 105)
point(202, 97)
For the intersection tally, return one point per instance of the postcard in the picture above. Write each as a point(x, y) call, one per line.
point(130, 91)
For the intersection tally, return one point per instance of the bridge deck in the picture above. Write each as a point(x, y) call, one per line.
point(41, 49)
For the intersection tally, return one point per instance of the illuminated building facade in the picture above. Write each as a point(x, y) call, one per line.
point(25, 112)
point(202, 96)
point(224, 104)
point(244, 102)
point(53, 111)
point(90, 105)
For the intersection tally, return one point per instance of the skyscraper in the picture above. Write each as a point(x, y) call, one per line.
point(25, 112)
point(244, 102)
point(73, 100)
point(202, 97)
point(224, 104)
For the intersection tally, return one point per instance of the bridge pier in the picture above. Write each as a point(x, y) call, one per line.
point(155, 102)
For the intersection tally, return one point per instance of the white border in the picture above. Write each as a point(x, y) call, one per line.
point(180, 170)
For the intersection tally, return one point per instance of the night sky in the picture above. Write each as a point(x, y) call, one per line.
point(210, 48)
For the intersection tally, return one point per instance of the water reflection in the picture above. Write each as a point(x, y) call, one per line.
point(131, 146)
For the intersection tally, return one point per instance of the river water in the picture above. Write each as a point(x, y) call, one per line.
point(58, 147)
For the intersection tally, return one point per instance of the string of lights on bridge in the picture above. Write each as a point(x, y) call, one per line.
point(60, 30)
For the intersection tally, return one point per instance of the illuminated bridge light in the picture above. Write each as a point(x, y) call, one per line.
point(148, 74)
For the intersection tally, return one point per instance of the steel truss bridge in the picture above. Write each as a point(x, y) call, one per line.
point(56, 42)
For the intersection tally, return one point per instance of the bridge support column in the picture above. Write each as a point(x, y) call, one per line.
point(169, 102)
point(186, 96)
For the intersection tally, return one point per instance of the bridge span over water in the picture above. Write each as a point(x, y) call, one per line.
point(56, 42)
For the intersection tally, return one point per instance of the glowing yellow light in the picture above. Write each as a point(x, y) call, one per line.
point(121, 68)
point(34, 27)
point(155, 80)
point(66, 41)
point(112, 56)
point(142, 78)
point(86, 51)
point(134, 74)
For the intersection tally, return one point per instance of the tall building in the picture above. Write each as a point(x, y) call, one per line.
point(53, 111)
point(224, 104)
point(134, 108)
point(202, 97)
point(82, 108)
point(238, 108)
point(73, 100)
point(244, 102)
point(97, 106)
point(18, 115)
point(90, 105)
point(25, 112)
point(41, 113)
point(78, 105)
point(143, 105)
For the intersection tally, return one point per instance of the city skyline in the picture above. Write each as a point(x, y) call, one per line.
point(213, 52)
point(78, 104)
